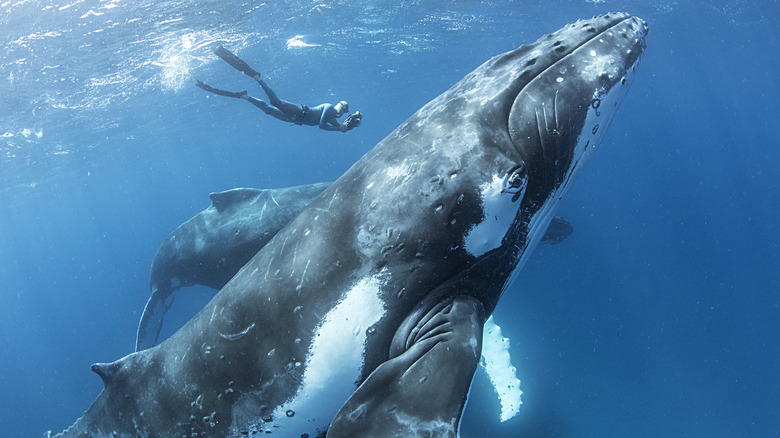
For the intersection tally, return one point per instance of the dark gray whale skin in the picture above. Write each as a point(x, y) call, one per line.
point(363, 316)
point(212, 246)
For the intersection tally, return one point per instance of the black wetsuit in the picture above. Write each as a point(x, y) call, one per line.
point(323, 115)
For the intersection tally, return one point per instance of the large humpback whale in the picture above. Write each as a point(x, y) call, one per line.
point(210, 248)
point(363, 316)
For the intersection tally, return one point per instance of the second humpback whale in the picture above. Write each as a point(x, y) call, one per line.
point(363, 316)
point(212, 246)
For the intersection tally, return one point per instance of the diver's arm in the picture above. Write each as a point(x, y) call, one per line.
point(335, 127)
point(328, 120)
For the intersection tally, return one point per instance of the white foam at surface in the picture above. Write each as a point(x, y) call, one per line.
point(498, 364)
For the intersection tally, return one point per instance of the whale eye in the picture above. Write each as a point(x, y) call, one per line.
point(515, 182)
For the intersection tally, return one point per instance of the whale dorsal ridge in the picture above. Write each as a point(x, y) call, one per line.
point(222, 200)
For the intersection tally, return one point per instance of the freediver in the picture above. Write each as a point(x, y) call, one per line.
point(324, 115)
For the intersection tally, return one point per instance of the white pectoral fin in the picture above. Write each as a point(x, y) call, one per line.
point(423, 390)
point(498, 366)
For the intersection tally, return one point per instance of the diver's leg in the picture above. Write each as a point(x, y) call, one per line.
point(268, 109)
point(290, 108)
point(210, 89)
point(236, 62)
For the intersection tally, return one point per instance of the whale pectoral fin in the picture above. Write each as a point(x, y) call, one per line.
point(423, 390)
point(558, 230)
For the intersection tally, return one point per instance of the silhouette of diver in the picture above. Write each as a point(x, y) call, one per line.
point(324, 115)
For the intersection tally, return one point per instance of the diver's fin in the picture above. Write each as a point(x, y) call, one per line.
point(236, 62)
point(210, 89)
point(221, 200)
point(422, 391)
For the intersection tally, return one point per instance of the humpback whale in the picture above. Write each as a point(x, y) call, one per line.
point(213, 245)
point(363, 316)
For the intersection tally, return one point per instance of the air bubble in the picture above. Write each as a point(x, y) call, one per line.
point(290, 413)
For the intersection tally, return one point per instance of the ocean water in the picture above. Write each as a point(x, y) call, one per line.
point(658, 316)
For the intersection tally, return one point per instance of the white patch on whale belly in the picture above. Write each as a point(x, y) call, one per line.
point(499, 212)
point(334, 362)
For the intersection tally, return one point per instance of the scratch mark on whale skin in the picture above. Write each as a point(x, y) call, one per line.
point(237, 336)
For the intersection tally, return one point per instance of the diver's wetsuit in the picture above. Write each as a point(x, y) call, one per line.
point(319, 115)
point(324, 115)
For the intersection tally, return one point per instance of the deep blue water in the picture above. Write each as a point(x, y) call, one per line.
point(659, 316)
